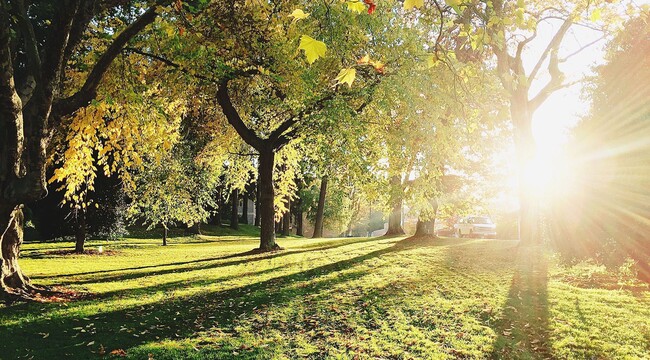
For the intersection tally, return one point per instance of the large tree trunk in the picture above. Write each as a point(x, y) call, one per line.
point(80, 231)
point(13, 283)
point(267, 194)
point(244, 208)
point(427, 221)
point(395, 217)
point(164, 235)
point(529, 233)
point(320, 211)
point(234, 216)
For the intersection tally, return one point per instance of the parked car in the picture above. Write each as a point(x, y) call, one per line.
point(476, 226)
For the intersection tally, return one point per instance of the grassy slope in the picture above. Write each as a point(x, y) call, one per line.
point(205, 298)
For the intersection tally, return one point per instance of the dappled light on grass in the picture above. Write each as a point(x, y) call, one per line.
point(328, 298)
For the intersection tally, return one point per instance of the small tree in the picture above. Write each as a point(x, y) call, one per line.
point(175, 190)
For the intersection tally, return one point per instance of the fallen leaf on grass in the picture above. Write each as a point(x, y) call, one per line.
point(118, 352)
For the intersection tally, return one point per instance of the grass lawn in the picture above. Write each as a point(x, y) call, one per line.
point(385, 298)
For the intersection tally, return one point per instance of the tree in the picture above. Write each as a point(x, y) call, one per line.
point(174, 190)
point(36, 43)
point(265, 92)
point(508, 28)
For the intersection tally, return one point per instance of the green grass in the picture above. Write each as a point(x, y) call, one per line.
point(206, 298)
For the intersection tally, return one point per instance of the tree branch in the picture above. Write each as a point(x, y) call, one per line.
point(89, 89)
point(170, 63)
point(31, 49)
point(582, 49)
point(553, 45)
point(248, 135)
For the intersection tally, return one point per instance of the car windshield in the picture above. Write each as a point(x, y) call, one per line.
point(481, 220)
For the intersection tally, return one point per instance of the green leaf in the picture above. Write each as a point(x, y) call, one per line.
point(410, 4)
point(455, 4)
point(356, 6)
point(312, 47)
point(346, 76)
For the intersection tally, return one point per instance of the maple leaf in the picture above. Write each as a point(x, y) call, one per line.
point(356, 6)
point(371, 6)
point(410, 4)
point(346, 76)
point(312, 47)
point(298, 14)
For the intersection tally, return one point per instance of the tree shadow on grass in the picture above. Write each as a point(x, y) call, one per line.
point(174, 318)
point(522, 331)
point(181, 266)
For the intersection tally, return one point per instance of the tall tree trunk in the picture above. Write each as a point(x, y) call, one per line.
point(529, 232)
point(286, 220)
point(216, 220)
point(320, 211)
point(299, 218)
point(234, 216)
point(267, 194)
point(427, 221)
point(396, 200)
point(80, 231)
point(244, 208)
point(164, 235)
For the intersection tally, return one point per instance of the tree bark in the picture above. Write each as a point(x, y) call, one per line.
point(244, 208)
point(234, 216)
point(286, 220)
point(267, 194)
point(396, 200)
point(257, 204)
point(320, 211)
point(80, 231)
point(164, 235)
point(13, 283)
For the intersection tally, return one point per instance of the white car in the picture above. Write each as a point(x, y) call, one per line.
point(475, 226)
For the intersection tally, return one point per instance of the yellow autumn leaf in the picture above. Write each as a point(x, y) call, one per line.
point(298, 14)
point(410, 4)
point(312, 47)
point(453, 2)
point(431, 60)
point(346, 76)
point(378, 65)
point(364, 60)
point(356, 6)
